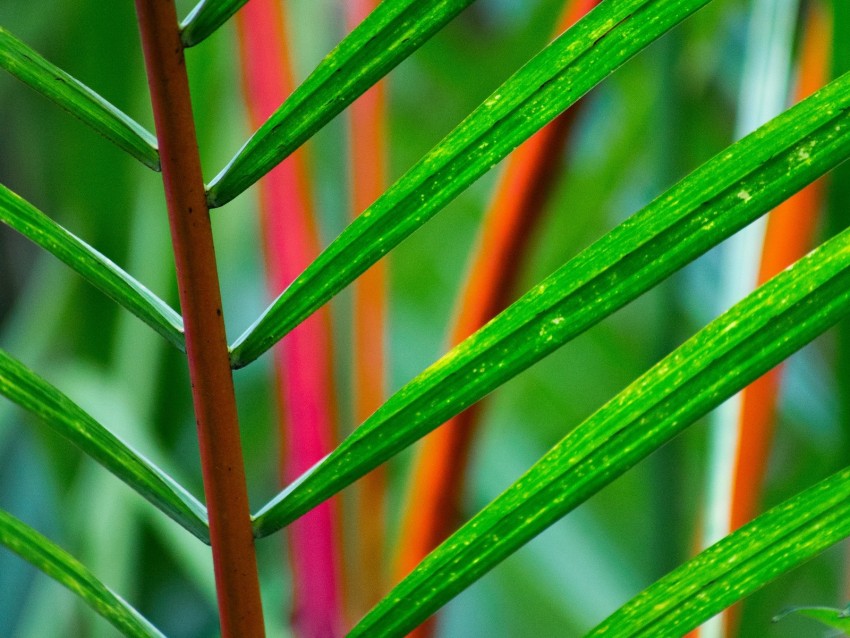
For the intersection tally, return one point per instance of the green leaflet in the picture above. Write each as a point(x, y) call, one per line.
point(78, 99)
point(386, 37)
point(61, 566)
point(205, 18)
point(94, 267)
point(552, 81)
point(735, 349)
point(741, 563)
point(829, 616)
point(725, 194)
point(34, 394)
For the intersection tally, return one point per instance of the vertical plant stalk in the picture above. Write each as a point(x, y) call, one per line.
point(303, 361)
point(367, 581)
point(237, 583)
point(789, 235)
point(440, 464)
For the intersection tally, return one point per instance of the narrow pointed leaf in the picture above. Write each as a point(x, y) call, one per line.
point(91, 265)
point(777, 319)
point(552, 81)
point(386, 37)
point(22, 386)
point(829, 616)
point(205, 19)
point(741, 563)
point(726, 193)
point(78, 99)
point(64, 568)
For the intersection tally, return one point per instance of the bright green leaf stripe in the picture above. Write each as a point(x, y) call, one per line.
point(756, 334)
point(552, 81)
point(34, 394)
point(741, 563)
point(729, 191)
point(78, 99)
point(61, 566)
point(386, 37)
point(94, 267)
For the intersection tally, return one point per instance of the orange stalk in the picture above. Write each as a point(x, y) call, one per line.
point(367, 578)
point(303, 360)
point(441, 459)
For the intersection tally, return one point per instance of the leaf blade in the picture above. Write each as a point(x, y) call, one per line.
point(551, 82)
point(32, 393)
point(735, 187)
point(95, 268)
point(78, 99)
point(741, 563)
point(205, 19)
point(829, 616)
point(386, 37)
point(64, 568)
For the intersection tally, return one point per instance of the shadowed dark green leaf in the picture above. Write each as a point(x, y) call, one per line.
point(735, 349)
point(34, 394)
point(78, 99)
point(64, 568)
point(552, 81)
point(725, 194)
point(94, 267)
point(741, 563)
point(829, 616)
point(205, 19)
point(386, 37)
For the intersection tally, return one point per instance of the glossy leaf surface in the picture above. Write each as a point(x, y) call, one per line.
point(729, 191)
point(32, 393)
point(91, 265)
point(64, 568)
point(386, 37)
point(78, 99)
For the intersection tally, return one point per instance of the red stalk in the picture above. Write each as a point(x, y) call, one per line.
point(303, 359)
point(237, 584)
point(367, 580)
point(441, 460)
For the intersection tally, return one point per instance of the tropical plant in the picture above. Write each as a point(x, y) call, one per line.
point(98, 377)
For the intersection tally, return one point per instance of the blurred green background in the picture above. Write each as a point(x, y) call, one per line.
point(653, 121)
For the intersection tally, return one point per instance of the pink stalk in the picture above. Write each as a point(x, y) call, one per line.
point(303, 359)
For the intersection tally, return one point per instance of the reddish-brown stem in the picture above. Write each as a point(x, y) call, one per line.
point(234, 560)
